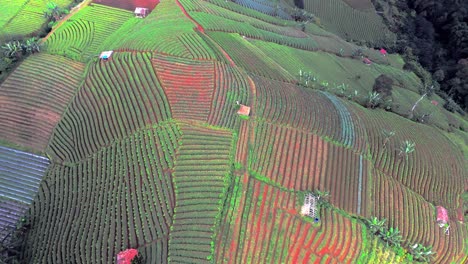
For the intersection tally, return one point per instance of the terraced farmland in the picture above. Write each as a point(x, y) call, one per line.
point(349, 23)
point(272, 231)
point(199, 190)
point(416, 219)
point(303, 161)
point(33, 98)
point(117, 98)
point(20, 176)
point(81, 36)
point(121, 197)
point(434, 170)
point(231, 85)
point(188, 85)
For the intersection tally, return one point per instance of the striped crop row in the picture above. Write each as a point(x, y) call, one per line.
point(118, 97)
point(188, 85)
point(435, 170)
point(81, 36)
point(416, 219)
point(304, 109)
point(272, 231)
point(200, 178)
point(231, 85)
point(121, 197)
point(249, 57)
point(33, 98)
point(305, 162)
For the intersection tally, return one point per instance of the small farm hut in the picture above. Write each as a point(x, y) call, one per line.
point(141, 12)
point(367, 61)
point(309, 207)
point(243, 110)
point(105, 55)
point(383, 52)
point(126, 256)
point(442, 216)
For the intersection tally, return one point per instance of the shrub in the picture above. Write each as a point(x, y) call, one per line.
point(383, 86)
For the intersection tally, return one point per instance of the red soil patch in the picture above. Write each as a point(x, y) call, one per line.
point(129, 4)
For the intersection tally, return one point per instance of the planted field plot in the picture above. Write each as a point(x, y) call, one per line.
point(273, 231)
point(304, 162)
point(218, 23)
point(121, 197)
point(360, 4)
point(24, 17)
point(305, 109)
point(20, 176)
point(81, 36)
point(118, 97)
point(180, 34)
point(249, 57)
point(33, 98)
point(435, 169)
point(274, 9)
point(338, 17)
point(231, 85)
point(188, 85)
point(200, 179)
point(130, 5)
point(416, 219)
point(347, 126)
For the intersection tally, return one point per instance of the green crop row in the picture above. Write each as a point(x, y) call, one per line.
point(199, 193)
point(82, 36)
point(119, 198)
point(118, 98)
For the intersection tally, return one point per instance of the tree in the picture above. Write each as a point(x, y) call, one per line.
point(376, 226)
point(387, 135)
point(392, 236)
point(422, 253)
point(373, 100)
point(383, 86)
point(54, 13)
point(406, 147)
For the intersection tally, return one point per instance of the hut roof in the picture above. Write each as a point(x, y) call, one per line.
point(126, 256)
point(244, 110)
point(442, 215)
point(383, 51)
point(106, 54)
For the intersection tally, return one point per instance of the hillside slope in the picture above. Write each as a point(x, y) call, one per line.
point(147, 151)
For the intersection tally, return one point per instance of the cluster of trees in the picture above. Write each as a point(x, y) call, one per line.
point(392, 237)
point(435, 33)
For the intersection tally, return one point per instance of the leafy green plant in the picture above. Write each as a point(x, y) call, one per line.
point(406, 148)
point(373, 99)
point(422, 253)
point(375, 225)
point(387, 135)
point(392, 236)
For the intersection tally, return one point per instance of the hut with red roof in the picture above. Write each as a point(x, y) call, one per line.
point(383, 52)
point(126, 256)
point(442, 215)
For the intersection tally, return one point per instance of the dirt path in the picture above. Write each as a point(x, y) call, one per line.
point(199, 27)
point(63, 20)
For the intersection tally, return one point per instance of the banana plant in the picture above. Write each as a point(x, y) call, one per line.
point(406, 148)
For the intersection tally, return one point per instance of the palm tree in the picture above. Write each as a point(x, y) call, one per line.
point(376, 226)
point(373, 99)
point(12, 49)
point(387, 134)
point(407, 147)
point(392, 236)
point(54, 12)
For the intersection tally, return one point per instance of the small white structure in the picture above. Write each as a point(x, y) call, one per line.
point(105, 55)
point(141, 12)
point(310, 206)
